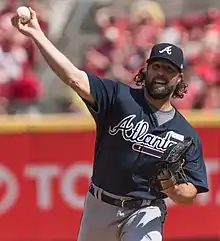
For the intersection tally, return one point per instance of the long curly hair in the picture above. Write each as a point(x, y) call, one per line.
point(179, 92)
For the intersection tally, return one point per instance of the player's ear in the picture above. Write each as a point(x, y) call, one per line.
point(180, 78)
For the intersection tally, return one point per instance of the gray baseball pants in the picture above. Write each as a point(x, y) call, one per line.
point(102, 221)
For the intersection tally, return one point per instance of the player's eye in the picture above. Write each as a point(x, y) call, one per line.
point(170, 70)
point(156, 66)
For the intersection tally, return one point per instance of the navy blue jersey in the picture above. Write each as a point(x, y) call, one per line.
point(129, 141)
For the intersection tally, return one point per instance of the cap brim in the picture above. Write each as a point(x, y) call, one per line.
point(151, 59)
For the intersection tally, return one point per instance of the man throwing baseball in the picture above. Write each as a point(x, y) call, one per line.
point(145, 150)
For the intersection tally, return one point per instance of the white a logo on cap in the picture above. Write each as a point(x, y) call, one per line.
point(167, 49)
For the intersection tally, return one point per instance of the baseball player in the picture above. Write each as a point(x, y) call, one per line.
point(139, 136)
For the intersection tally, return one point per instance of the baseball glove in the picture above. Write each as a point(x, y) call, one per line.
point(170, 168)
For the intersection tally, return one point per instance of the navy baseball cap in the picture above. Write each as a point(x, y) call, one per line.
point(169, 52)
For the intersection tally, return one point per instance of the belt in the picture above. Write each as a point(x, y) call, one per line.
point(123, 202)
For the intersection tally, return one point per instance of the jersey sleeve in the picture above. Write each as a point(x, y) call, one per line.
point(104, 92)
point(195, 168)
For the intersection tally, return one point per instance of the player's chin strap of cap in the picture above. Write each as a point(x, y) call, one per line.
point(123, 202)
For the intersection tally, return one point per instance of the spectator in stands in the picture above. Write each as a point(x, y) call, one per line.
point(20, 88)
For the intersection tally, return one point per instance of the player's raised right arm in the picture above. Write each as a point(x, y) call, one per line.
point(64, 69)
point(60, 64)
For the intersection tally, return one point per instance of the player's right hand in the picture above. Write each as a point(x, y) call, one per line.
point(29, 29)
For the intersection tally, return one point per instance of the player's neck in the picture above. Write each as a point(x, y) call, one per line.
point(163, 104)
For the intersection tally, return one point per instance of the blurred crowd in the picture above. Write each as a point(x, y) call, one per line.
point(125, 41)
point(20, 87)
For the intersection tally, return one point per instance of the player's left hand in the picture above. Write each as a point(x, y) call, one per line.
point(165, 179)
point(170, 168)
point(163, 175)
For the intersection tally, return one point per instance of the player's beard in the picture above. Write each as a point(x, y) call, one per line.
point(159, 91)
